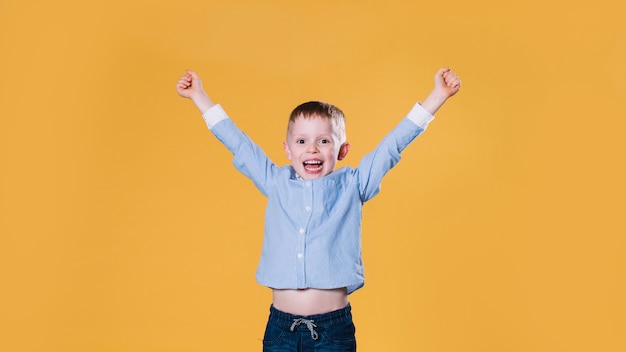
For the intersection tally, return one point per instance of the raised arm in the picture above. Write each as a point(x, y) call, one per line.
point(447, 84)
point(190, 86)
point(249, 158)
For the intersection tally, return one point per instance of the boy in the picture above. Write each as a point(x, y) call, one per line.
point(311, 257)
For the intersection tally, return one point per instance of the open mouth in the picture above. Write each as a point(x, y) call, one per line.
point(313, 165)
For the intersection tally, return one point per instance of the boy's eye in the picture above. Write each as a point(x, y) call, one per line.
point(324, 141)
point(300, 141)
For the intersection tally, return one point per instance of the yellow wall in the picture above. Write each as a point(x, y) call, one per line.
point(124, 226)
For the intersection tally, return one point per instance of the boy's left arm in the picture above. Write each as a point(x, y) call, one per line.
point(447, 84)
point(375, 165)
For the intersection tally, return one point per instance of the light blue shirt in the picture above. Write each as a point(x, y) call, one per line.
point(312, 233)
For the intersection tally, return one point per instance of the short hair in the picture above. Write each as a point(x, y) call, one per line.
point(323, 110)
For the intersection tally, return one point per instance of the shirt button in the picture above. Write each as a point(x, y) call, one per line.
point(308, 184)
point(308, 209)
point(299, 255)
point(301, 231)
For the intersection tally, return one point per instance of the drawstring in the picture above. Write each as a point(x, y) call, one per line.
point(309, 324)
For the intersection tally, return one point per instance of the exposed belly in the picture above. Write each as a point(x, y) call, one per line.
point(310, 301)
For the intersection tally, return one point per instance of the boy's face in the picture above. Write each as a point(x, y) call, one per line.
point(314, 147)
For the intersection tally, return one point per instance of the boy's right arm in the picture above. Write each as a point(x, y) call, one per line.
point(249, 158)
point(190, 86)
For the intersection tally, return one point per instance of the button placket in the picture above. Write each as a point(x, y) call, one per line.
point(302, 232)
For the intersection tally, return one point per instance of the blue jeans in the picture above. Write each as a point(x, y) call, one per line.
point(333, 331)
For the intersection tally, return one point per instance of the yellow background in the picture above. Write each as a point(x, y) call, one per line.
point(124, 227)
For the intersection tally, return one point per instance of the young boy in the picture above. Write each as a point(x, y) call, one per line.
point(311, 257)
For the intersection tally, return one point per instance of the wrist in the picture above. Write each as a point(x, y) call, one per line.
point(434, 101)
point(202, 101)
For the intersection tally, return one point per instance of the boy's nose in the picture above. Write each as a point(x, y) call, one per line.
point(312, 148)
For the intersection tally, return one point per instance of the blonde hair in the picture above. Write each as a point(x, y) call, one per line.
point(323, 110)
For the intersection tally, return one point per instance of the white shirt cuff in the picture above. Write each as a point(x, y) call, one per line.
point(214, 115)
point(420, 116)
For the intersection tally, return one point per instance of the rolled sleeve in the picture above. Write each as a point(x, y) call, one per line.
point(214, 115)
point(420, 116)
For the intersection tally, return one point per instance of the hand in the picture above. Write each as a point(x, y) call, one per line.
point(446, 82)
point(190, 86)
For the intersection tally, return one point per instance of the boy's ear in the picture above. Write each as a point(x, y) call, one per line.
point(287, 150)
point(343, 151)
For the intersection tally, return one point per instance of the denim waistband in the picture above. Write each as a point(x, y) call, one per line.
point(286, 320)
